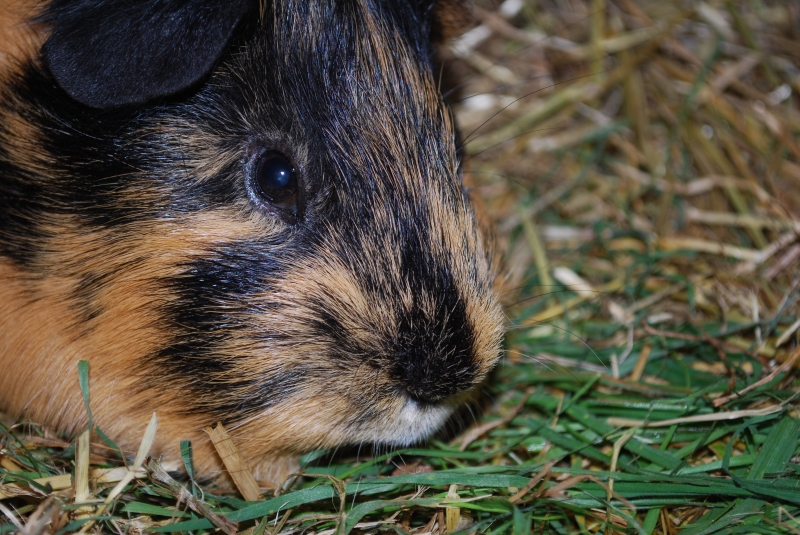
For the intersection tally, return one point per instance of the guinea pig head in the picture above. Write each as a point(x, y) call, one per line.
point(282, 243)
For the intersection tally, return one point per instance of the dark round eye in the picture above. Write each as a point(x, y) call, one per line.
point(276, 179)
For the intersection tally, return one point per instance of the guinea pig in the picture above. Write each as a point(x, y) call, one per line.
point(238, 212)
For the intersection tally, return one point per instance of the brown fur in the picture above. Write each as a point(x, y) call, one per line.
point(19, 38)
point(452, 17)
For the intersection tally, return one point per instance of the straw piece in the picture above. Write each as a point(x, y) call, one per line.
point(571, 280)
point(11, 516)
point(719, 162)
point(786, 365)
point(452, 514)
point(179, 491)
point(234, 463)
point(503, 27)
point(730, 74)
point(788, 333)
point(597, 30)
point(538, 250)
point(548, 198)
point(9, 490)
point(715, 417)
point(610, 45)
point(697, 186)
point(484, 65)
point(10, 465)
point(144, 448)
point(788, 258)
point(545, 470)
point(765, 254)
point(82, 492)
point(464, 48)
point(114, 475)
point(707, 183)
point(747, 35)
point(715, 19)
point(651, 300)
point(737, 220)
point(45, 514)
point(617, 449)
point(704, 246)
point(563, 140)
point(97, 476)
point(641, 363)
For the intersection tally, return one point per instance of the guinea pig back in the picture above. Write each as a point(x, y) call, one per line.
point(237, 212)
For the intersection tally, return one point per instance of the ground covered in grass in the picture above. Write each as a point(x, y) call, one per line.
point(641, 164)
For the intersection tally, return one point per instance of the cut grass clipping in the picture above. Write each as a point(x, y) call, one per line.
point(641, 164)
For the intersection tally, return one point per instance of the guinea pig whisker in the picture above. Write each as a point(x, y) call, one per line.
point(332, 456)
point(489, 395)
point(439, 81)
point(358, 451)
point(516, 181)
point(358, 484)
point(543, 361)
point(575, 336)
point(501, 110)
point(564, 364)
point(401, 459)
point(599, 292)
point(471, 156)
point(472, 414)
point(511, 86)
point(527, 286)
point(523, 49)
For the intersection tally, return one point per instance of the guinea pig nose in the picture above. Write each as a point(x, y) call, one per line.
point(430, 371)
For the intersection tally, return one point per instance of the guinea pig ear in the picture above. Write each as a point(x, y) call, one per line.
point(450, 19)
point(107, 53)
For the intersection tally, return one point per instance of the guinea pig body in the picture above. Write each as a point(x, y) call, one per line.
point(272, 233)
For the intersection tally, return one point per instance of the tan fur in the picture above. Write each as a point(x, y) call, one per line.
point(44, 343)
point(19, 38)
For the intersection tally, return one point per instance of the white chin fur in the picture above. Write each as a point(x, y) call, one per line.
point(411, 423)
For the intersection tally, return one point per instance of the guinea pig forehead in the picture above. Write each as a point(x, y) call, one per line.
point(343, 52)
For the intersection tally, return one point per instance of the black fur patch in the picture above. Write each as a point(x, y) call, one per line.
point(434, 351)
point(85, 294)
point(209, 311)
point(77, 169)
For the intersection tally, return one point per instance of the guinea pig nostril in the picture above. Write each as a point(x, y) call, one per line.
point(419, 397)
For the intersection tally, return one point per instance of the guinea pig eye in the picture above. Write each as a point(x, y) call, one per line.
point(276, 180)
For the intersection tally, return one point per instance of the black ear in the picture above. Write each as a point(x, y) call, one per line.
point(108, 53)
